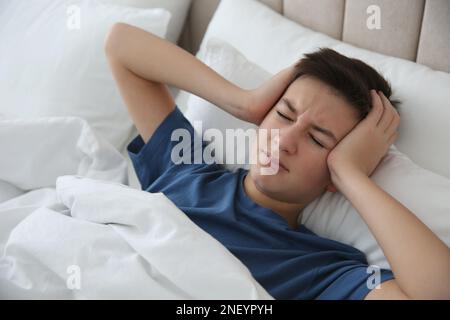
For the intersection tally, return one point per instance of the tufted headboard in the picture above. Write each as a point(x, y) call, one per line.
point(416, 30)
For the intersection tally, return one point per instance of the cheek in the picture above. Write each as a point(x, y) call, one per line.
point(312, 166)
point(267, 124)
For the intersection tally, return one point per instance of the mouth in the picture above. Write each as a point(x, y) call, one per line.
point(269, 160)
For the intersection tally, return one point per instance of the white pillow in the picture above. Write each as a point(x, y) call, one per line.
point(332, 215)
point(179, 10)
point(234, 67)
point(49, 67)
point(8, 191)
point(37, 151)
point(423, 192)
point(274, 42)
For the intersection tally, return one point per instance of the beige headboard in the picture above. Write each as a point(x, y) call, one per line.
point(416, 30)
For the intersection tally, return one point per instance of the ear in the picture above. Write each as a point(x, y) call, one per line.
point(331, 188)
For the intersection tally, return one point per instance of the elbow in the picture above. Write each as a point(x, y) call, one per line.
point(113, 42)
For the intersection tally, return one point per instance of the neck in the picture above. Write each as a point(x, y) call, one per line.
point(289, 211)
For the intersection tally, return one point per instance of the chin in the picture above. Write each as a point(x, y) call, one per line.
point(272, 186)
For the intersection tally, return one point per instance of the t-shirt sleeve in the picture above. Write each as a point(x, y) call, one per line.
point(355, 283)
point(150, 160)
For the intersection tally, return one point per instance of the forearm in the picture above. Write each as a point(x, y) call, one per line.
point(156, 59)
point(419, 260)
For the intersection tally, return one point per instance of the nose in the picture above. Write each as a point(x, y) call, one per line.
point(288, 139)
point(289, 136)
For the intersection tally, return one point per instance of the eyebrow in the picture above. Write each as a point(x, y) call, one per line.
point(314, 126)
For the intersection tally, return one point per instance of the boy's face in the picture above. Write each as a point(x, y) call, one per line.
point(306, 175)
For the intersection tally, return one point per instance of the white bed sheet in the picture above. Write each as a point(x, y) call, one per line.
point(73, 229)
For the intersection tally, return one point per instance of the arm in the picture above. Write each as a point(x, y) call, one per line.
point(156, 59)
point(143, 64)
point(419, 260)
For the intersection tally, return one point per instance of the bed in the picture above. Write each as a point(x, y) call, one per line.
point(74, 223)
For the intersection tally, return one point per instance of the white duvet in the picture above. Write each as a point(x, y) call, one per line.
point(70, 228)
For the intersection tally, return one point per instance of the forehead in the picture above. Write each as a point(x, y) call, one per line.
point(322, 105)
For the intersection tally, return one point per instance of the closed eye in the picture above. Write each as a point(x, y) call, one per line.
point(315, 141)
point(284, 116)
point(289, 119)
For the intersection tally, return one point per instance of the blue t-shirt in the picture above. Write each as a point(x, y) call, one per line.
point(289, 264)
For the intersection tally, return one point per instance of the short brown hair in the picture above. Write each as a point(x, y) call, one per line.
point(350, 78)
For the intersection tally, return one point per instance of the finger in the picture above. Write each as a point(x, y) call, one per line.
point(393, 126)
point(387, 116)
point(377, 108)
point(395, 119)
point(393, 138)
point(388, 103)
point(389, 107)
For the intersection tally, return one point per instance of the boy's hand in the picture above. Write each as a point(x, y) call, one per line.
point(262, 99)
point(364, 146)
